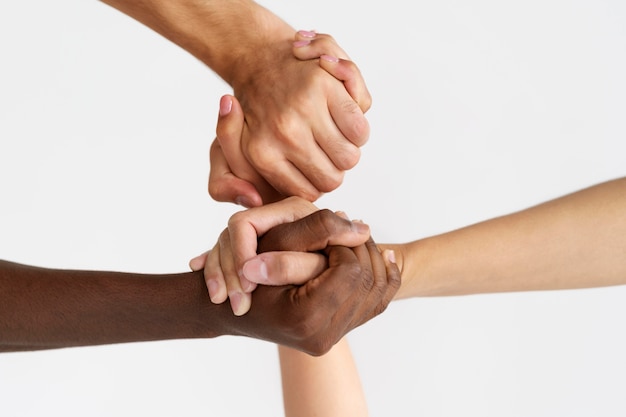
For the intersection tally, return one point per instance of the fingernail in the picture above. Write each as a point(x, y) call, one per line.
point(226, 104)
point(244, 201)
point(329, 58)
point(235, 301)
point(213, 287)
point(255, 270)
point(240, 303)
point(247, 285)
point(342, 214)
point(299, 44)
point(307, 33)
point(391, 256)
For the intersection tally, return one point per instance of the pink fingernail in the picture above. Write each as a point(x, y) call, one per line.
point(226, 104)
point(307, 33)
point(255, 270)
point(329, 58)
point(300, 44)
point(213, 286)
point(391, 256)
point(235, 302)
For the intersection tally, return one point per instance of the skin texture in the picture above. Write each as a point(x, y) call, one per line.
point(232, 174)
point(575, 241)
point(48, 308)
point(302, 127)
point(328, 385)
point(238, 174)
point(223, 264)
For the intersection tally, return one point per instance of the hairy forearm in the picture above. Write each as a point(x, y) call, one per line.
point(47, 308)
point(575, 241)
point(224, 34)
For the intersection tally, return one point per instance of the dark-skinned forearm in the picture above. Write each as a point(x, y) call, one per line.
point(46, 308)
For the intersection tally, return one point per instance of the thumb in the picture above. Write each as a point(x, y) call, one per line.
point(226, 186)
point(283, 268)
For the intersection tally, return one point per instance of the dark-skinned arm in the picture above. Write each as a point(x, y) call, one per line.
point(44, 308)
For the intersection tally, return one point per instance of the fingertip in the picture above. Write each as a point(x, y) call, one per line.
point(198, 262)
point(360, 227)
point(217, 291)
point(226, 105)
point(390, 256)
point(240, 303)
point(307, 34)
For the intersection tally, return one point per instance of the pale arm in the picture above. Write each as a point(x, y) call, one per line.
point(576, 241)
point(328, 385)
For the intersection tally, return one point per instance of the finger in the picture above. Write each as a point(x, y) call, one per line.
point(340, 150)
point(240, 300)
point(282, 268)
point(338, 283)
point(313, 233)
point(297, 168)
point(245, 227)
point(213, 276)
point(394, 279)
point(197, 263)
point(347, 72)
point(230, 129)
point(227, 187)
point(317, 166)
point(348, 117)
point(310, 45)
point(384, 285)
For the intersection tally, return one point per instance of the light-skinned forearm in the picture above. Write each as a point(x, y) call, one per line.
point(327, 385)
point(576, 241)
point(227, 35)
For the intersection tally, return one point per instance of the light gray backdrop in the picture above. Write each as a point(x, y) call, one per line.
point(480, 108)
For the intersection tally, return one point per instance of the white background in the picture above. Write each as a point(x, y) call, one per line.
point(480, 108)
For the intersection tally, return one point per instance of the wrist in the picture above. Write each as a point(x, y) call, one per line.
point(413, 262)
point(220, 33)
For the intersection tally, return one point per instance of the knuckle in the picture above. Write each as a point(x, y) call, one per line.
point(367, 278)
point(350, 106)
point(327, 220)
point(331, 182)
point(237, 219)
point(306, 193)
point(219, 190)
point(361, 129)
point(348, 158)
point(257, 150)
